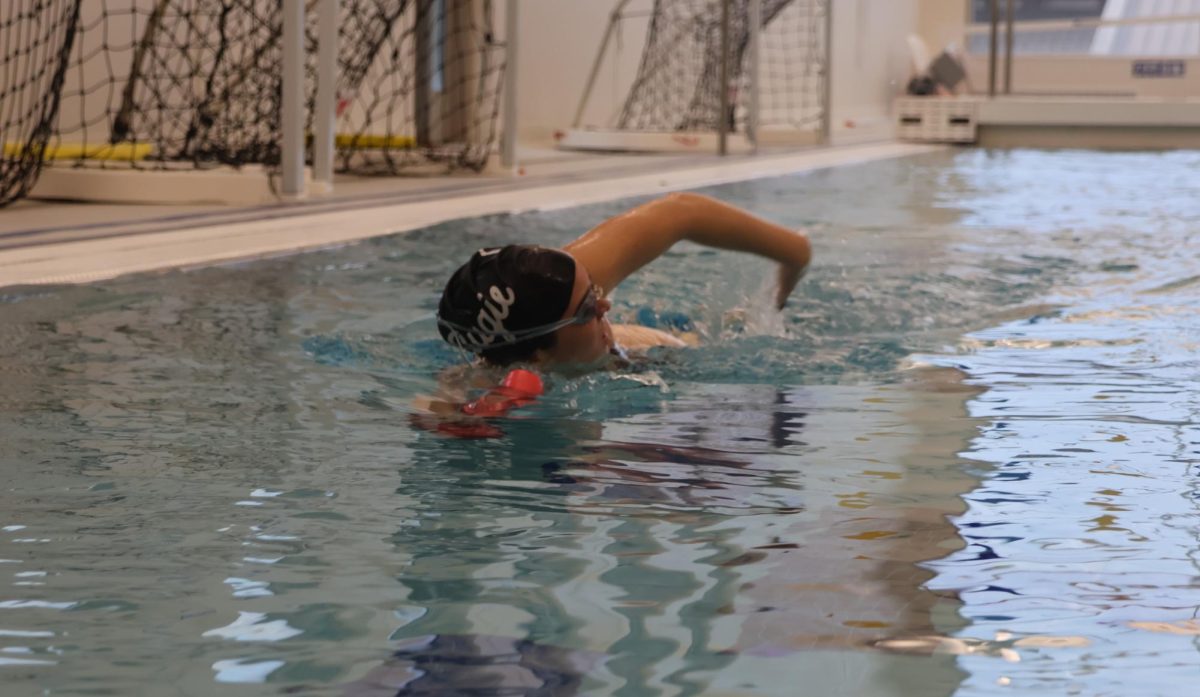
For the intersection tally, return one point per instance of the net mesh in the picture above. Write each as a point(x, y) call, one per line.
point(419, 82)
point(188, 84)
point(35, 35)
point(166, 84)
point(678, 83)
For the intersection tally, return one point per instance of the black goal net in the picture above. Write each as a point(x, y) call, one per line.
point(419, 82)
point(678, 83)
point(195, 84)
point(36, 36)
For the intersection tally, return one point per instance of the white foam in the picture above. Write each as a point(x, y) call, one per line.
point(236, 671)
point(25, 634)
point(4, 661)
point(250, 627)
point(21, 604)
point(264, 493)
point(245, 588)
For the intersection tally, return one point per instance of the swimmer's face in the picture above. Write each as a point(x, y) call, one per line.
point(582, 343)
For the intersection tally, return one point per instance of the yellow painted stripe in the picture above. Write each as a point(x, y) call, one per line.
point(79, 151)
point(140, 151)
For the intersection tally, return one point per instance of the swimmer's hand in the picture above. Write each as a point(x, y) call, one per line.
point(793, 262)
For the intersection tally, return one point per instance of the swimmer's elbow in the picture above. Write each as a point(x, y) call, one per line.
point(803, 249)
point(684, 213)
point(688, 205)
point(688, 198)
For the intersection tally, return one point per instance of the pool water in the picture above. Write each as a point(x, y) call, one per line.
point(961, 461)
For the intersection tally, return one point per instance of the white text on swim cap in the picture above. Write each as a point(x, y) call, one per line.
point(489, 323)
point(491, 317)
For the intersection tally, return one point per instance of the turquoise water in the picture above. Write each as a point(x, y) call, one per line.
point(960, 462)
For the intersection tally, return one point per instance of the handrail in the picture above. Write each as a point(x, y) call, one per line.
point(991, 28)
point(993, 32)
point(1009, 38)
point(1082, 23)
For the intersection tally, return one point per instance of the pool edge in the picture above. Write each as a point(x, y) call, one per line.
point(225, 236)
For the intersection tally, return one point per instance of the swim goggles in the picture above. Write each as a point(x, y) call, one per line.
point(475, 339)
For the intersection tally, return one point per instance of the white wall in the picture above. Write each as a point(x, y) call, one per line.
point(559, 40)
point(870, 65)
point(941, 23)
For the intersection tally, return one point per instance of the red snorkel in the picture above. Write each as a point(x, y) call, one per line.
point(519, 387)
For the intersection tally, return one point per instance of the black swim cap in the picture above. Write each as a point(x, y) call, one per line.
point(502, 291)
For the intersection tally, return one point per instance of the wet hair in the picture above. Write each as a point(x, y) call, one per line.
point(502, 291)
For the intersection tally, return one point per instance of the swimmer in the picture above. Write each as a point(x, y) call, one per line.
point(548, 307)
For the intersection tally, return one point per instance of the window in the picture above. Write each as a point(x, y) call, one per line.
point(1028, 10)
point(1168, 28)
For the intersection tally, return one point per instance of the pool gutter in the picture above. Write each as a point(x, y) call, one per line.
point(86, 253)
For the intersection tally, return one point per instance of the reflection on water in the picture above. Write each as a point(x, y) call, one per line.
point(1087, 526)
point(1080, 560)
point(731, 542)
point(211, 477)
point(476, 665)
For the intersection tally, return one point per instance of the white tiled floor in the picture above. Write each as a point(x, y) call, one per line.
point(56, 242)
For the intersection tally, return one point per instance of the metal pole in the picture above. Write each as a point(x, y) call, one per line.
point(995, 27)
point(508, 140)
point(723, 117)
point(755, 73)
point(326, 109)
point(292, 105)
point(613, 19)
point(827, 78)
point(1008, 45)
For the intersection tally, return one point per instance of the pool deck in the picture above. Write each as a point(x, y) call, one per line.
point(54, 242)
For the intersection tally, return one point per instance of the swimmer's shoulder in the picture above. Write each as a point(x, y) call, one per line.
point(636, 338)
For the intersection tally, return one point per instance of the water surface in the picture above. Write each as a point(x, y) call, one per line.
point(959, 462)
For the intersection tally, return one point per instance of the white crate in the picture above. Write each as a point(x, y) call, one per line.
point(936, 119)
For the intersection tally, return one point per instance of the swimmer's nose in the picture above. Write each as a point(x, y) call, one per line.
point(602, 307)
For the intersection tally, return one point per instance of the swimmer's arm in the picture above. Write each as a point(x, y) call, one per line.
point(621, 245)
point(635, 338)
